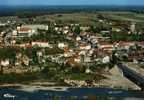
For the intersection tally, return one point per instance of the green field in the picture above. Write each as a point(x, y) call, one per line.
point(86, 18)
point(126, 16)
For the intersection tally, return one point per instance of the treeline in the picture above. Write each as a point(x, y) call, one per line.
point(126, 37)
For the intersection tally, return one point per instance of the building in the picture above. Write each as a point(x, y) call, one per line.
point(29, 30)
point(41, 44)
point(24, 32)
point(107, 47)
point(133, 28)
point(85, 46)
point(5, 62)
point(62, 45)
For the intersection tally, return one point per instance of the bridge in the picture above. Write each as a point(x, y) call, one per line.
point(132, 75)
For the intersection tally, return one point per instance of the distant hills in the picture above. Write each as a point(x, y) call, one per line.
point(14, 10)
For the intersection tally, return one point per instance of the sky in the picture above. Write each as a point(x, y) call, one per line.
point(71, 2)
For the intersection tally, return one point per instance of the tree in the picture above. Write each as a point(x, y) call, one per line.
point(100, 16)
point(32, 53)
point(8, 53)
point(77, 30)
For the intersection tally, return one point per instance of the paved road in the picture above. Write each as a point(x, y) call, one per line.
point(132, 75)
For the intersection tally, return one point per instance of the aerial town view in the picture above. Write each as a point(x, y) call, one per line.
point(71, 50)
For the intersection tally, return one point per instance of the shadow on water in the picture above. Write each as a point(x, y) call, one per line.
point(72, 94)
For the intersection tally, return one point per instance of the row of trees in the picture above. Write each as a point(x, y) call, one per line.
point(126, 37)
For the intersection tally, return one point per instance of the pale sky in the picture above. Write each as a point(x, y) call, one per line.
point(71, 2)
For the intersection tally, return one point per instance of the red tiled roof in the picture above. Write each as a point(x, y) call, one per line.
point(24, 29)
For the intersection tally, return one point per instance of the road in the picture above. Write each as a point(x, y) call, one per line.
point(135, 77)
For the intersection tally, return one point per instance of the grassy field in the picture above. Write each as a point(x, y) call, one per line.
point(126, 16)
point(81, 18)
point(85, 18)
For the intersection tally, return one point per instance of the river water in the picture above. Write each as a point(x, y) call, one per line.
point(72, 94)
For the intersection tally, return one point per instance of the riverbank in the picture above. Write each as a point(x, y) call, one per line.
point(53, 86)
point(36, 80)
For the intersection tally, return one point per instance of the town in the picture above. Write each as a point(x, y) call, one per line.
point(76, 49)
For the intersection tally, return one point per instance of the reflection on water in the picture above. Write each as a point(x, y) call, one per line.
point(71, 94)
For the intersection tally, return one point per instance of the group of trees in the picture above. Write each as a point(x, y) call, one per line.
point(8, 52)
point(126, 37)
point(77, 30)
point(99, 27)
point(55, 50)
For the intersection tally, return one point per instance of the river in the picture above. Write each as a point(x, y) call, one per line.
point(71, 94)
